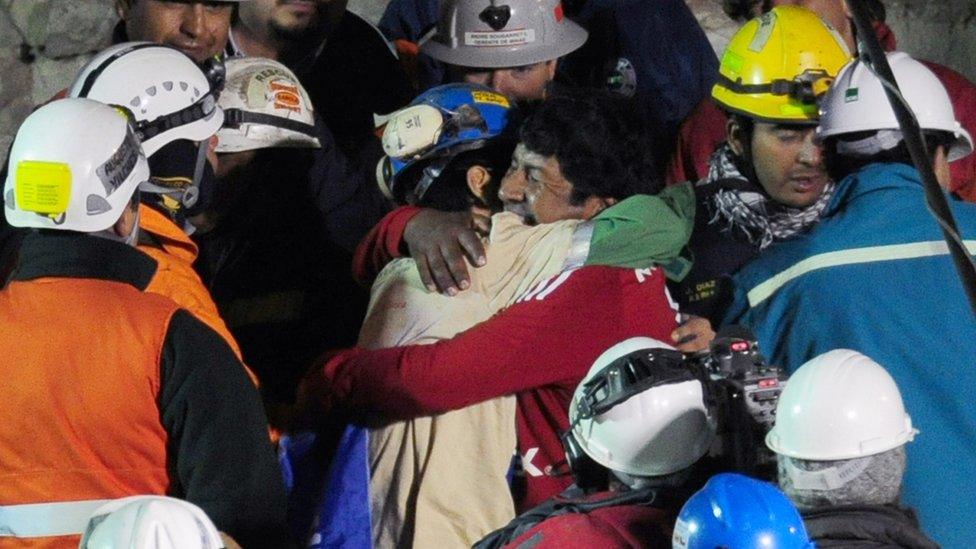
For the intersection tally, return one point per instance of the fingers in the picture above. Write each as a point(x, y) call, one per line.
point(481, 223)
point(441, 272)
point(473, 247)
point(457, 267)
point(694, 334)
point(425, 275)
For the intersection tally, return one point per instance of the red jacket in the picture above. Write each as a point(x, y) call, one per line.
point(382, 244)
point(618, 527)
point(538, 349)
point(704, 129)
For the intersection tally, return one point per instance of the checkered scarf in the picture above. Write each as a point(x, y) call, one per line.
point(760, 219)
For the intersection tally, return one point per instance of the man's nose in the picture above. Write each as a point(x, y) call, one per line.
point(811, 153)
point(194, 20)
point(512, 188)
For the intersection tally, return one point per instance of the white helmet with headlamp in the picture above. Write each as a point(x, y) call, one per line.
point(640, 412)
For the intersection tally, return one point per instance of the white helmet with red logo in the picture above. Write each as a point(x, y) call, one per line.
point(502, 33)
point(264, 106)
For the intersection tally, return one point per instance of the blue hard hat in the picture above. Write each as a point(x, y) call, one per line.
point(470, 115)
point(737, 512)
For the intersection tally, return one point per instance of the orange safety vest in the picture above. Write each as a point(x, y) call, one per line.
point(175, 277)
point(79, 419)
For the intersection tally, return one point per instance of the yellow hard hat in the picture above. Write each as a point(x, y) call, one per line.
point(779, 64)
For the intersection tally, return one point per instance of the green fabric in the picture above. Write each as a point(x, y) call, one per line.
point(644, 231)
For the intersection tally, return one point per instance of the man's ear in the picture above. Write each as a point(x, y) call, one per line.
point(478, 180)
point(550, 70)
point(127, 221)
point(593, 205)
point(122, 8)
point(940, 165)
point(734, 136)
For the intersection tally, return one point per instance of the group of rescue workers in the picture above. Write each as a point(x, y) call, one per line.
point(474, 316)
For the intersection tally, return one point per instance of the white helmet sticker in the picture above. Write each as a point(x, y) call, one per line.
point(490, 39)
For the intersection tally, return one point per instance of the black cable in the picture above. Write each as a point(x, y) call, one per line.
point(871, 53)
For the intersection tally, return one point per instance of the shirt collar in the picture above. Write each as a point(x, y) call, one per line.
point(74, 255)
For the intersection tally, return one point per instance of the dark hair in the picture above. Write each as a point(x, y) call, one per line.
point(840, 166)
point(602, 148)
point(742, 10)
point(450, 192)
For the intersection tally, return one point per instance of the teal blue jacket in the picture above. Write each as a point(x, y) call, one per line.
point(875, 276)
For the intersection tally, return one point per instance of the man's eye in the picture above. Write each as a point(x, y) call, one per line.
point(788, 136)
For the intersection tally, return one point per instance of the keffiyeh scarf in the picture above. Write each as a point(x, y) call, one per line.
point(752, 212)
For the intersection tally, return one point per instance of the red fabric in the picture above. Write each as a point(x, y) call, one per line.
point(408, 53)
point(701, 133)
point(538, 349)
point(622, 526)
point(381, 245)
point(885, 35)
point(962, 93)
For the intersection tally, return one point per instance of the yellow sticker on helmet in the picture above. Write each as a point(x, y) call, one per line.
point(490, 98)
point(42, 187)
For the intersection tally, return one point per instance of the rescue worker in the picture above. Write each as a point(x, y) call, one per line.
point(841, 452)
point(653, 50)
point(152, 522)
point(767, 182)
point(533, 36)
point(198, 28)
point(733, 510)
point(351, 75)
point(442, 479)
point(175, 107)
point(895, 273)
point(122, 392)
point(630, 447)
point(344, 62)
point(540, 347)
point(703, 130)
point(264, 250)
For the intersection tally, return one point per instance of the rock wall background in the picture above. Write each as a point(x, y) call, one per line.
point(43, 43)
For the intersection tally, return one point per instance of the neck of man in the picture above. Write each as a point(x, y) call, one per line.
point(254, 44)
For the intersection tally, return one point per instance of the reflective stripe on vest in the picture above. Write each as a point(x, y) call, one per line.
point(36, 520)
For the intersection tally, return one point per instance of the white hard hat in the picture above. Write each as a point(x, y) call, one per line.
point(74, 165)
point(663, 427)
point(857, 103)
point(840, 405)
point(502, 33)
point(170, 95)
point(264, 106)
point(150, 522)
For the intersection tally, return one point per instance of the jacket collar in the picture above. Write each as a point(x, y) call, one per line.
point(884, 525)
point(73, 255)
point(871, 178)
